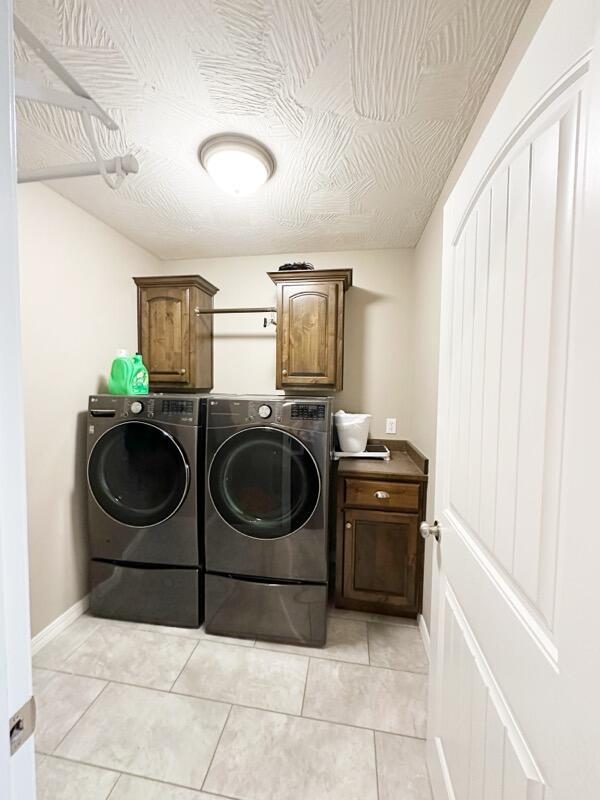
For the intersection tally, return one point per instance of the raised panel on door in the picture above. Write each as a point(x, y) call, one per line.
point(165, 334)
point(484, 750)
point(309, 344)
point(380, 558)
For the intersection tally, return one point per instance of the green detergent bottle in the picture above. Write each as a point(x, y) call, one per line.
point(139, 376)
point(121, 373)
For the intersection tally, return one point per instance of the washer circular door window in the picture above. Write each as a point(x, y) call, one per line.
point(264, 483)
point(138, 474)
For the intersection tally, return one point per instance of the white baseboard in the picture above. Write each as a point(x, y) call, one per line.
point(45, 636)
point(424, 635)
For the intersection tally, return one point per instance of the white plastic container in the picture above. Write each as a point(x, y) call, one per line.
point(353, 431)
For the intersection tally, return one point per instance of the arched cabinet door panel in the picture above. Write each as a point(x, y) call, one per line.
point(310, 328)
point(173, 338)
point(165, 329)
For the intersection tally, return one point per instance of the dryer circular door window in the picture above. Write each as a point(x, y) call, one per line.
point(138, 474)
point(264, 483)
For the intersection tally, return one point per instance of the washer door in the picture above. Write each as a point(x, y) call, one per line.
point(264, 483)
point(138, 474)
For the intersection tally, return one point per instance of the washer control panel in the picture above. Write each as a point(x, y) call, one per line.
point(176, 406)
point(309, 411)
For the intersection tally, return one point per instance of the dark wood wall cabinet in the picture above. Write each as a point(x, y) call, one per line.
point(310, 328)
point(176, 342)
point(379, 550)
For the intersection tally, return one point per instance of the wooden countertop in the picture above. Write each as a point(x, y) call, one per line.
point(405, 462)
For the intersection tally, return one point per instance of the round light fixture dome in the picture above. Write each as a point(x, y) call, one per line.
point(238, 164)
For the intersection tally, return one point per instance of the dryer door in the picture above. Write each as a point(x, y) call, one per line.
point(264, 483)
point(138, 474)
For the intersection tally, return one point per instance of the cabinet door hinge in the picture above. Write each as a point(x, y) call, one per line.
point(22, 725)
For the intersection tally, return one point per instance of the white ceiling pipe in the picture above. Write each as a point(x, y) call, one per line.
point(119, 165)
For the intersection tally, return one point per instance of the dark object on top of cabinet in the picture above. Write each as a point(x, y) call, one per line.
point(310, 328)
point(296, 265)
point(175, 340)
point(379, 551)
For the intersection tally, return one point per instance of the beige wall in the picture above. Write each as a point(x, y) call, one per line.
point(426, 285)
point(78, 306)
point(377, 341)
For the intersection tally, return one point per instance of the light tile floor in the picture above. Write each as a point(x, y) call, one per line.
point(142, 712)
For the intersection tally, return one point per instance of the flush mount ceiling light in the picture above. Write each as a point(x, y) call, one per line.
point(238, 164)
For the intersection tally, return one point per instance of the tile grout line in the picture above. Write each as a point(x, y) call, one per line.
point(216, 747)
point(83, 713)
point(239, 705)
point(187, 661)
point(265, 645)
point(71, 652)
point(305, 687)
point(123, 772)
point(112, 791)
point(259, 649)
point(376, 762)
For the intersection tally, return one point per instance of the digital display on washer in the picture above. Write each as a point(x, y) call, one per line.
point(177, 407)
point(308, 411)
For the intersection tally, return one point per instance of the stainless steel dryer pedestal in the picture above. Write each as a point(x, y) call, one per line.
point(279, 612)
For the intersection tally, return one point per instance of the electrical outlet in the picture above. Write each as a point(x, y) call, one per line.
point(390, 425)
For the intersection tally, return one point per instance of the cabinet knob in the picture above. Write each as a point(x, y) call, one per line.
point(182, 371)
point(430, 530)
point(284, 372)
point(348, 524)
point(382, 495)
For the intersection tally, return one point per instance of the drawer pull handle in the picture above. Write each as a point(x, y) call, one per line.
point(382, 495)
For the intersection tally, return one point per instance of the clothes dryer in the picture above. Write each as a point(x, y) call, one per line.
point(266, 531)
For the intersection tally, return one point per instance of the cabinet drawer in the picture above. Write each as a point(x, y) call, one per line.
point(382, 494)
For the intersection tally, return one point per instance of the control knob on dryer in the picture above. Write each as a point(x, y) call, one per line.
point(136, 407)
point(264, 412)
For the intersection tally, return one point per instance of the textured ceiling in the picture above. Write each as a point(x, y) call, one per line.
point(364, 103)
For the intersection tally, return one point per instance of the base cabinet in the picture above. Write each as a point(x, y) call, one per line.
point(379, 550)
point(380, 558)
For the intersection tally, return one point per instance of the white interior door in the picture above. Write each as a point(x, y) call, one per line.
point(17, 776)
point(510, 701)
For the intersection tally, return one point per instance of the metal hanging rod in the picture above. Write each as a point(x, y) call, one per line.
point(113, 166)
point(78, 100)
point(267, 309)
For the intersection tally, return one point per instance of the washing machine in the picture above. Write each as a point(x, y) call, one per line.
point(266, 531)
point(145, 489)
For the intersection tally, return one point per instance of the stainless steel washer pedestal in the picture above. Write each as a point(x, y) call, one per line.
point(266, 518)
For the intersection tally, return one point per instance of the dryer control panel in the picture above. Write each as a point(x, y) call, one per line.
point(176, 409)
point(308, 411)
point(299, 413)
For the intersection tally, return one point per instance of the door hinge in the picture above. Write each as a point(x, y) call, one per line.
point(22, 725)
